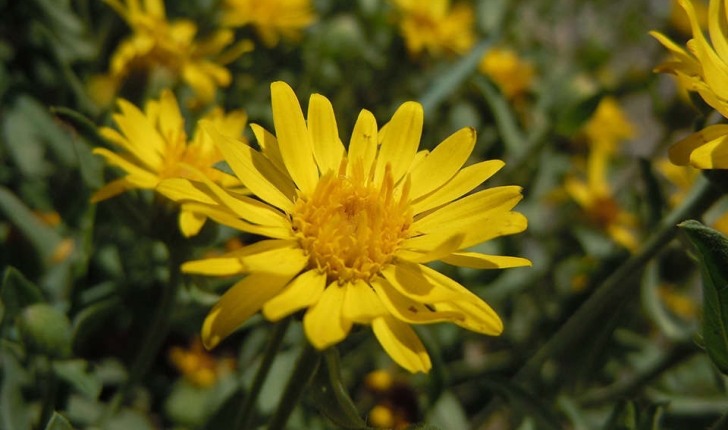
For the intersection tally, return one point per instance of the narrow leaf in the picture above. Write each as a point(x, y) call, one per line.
point(58, 422)
point(712, 250)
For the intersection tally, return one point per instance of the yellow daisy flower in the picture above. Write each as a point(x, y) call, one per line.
point(608, 126)
point(596, 198)
point(198, 366)
point(436, 27)
point(157, 42)
point(350, 231)
point(271, 18)
point(513, 75)
point(156, 148)
point(704, 69)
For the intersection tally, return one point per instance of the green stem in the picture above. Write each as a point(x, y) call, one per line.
point(616, 287)
point(302, 374)
point(242, 421)
point(49, 388)
point(157, 331)
point(721, 424)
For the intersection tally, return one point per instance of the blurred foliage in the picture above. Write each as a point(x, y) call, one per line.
point(81, 282)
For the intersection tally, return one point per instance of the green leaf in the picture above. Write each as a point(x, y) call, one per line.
point(623, 417)
point(44, 238)
point(58, 422)
point(447, 413)
point(712, 247)
point(514, 140)
point(526, 402)
point(16, 293)
point(91, 319)
point(328, 394)
point(75, 373)
point(421, 426)
point(45, 330)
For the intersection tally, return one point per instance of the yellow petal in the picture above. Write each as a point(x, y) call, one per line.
point(223, 266)
point(439, 252)
point(480, 204)
point(255, 171)
point(715, 71)
point(408, 279)
point(477, 229)
point(323, 322)
point(476, 260)
point(478, 316)
point(304, 291)
point(269, 145)
point(243, 206)
point(293, 137)
point(146, 142)
point(408, 310)
point(443, 162)
point(225, 216)
point(717, 28)
point(680, 152)
point(138, 176)
point(402, 344)
point(112, 189)
point(327, 147)
point(190, 223)
point(462, 183)
point(286, 259)
point(180, 189)
point(400, 142)
point(171, 123)
point(712, 155)
point(239, 303)
point(363, 144)
point(361, 303)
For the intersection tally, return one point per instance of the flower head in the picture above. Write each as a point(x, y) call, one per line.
point(156, 147)
point(271, 18)
point(171, 45)
point(596, 198)
point(608, 126)
point(436, 27)
point(512, 74)
point(197, 365)
point(703, 69)
point(350, 230)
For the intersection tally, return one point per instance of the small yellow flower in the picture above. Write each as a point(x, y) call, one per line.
point(512, 74)
point(436, 27)
point(156, 147)
point(157, 42)
point(596, 198)
point(351, 230)
point(608, 126)
point(271, 18)
point(197, 365)
point(703, 69)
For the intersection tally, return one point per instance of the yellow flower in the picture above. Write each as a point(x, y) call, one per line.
point(197, 365)
point(596, 198)
point(608, 126)
point(156, 148)
point(350, 231)
point(704, 69)
point(513, 75)
point(271, 18)
point(157, 42)
point(435, 26)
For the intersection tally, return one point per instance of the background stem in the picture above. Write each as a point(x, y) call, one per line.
point(304, 371)
point(242, 420)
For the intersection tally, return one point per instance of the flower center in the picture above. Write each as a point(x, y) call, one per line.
point(351, 227)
